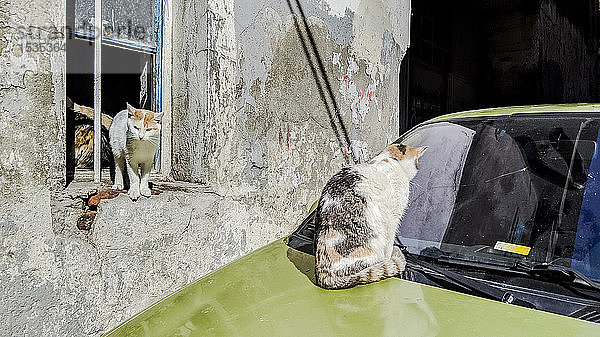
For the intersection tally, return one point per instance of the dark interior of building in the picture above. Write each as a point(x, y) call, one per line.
point(474, 54)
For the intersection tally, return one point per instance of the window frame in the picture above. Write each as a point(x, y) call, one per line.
point(158, 77)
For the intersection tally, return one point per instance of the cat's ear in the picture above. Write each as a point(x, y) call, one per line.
point(421, 150)
point(130, 109)
point(158, 117)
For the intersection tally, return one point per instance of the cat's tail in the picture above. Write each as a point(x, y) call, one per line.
point(384, 269)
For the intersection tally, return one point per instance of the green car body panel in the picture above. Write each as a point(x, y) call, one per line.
point(558, 108)
point(271, 292)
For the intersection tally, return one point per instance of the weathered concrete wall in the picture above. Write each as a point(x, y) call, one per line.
point(32, 164)
point(64, 282)
point(47, 279)
point(272, 130)
point(189, 79)
point(31, 95)
point(255, 118)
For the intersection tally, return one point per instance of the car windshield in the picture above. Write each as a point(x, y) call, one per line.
point(507, 189)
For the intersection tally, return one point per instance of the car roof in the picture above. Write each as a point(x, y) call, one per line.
point(544, 108)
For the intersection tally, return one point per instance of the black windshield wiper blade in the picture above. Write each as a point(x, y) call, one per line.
point(558, 273)
point(470, 261)
point(478, 287)
point(476, 263)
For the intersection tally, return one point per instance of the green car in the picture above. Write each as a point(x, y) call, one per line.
point(502, 238)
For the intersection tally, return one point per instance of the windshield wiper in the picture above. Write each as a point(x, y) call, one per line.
point(480, 288)
point(555, 273)
point(477, 261)
point(560, 274)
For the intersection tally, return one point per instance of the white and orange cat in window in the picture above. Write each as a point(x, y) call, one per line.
point(134, 138)
point(357, 217)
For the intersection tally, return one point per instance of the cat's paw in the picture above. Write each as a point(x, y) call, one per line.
point(117, 187)
point(133, 194)
point(145, 191)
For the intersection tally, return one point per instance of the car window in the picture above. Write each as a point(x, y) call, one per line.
point(433, 190)
point(508, 189)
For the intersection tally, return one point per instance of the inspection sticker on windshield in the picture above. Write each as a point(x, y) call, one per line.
point(512, 248)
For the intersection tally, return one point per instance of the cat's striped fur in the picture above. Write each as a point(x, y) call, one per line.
point(83, 145)
point(358, 213)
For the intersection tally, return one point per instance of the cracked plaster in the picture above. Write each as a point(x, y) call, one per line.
point(248, 122)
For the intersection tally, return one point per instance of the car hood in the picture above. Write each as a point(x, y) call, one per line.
point(271, 292)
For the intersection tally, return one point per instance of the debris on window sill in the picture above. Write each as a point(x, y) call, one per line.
point(91, 194)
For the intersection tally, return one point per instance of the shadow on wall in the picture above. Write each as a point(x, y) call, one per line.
point(321, 79)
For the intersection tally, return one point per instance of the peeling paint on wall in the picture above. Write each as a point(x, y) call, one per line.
point(31, 98)
point(359, 99)
point(15, 63)
point(250, 120)
point(372, 19)
point(256, 42)
point(338, 8)
point(279, 106)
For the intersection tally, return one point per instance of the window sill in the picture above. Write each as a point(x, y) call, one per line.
point(87, 175)
point(83, 183)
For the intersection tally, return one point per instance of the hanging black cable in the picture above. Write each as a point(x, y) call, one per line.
point(320, 75)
